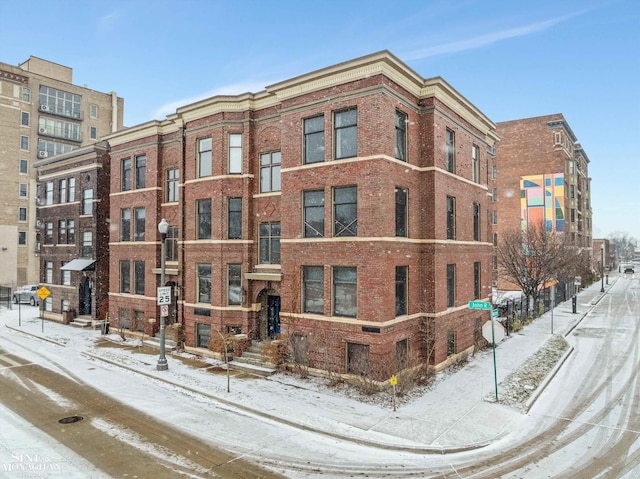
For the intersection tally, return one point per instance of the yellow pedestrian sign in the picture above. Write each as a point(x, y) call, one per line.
point(43, 293)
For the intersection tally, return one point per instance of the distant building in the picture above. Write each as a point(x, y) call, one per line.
point(541, 175)
point(43, 114)
point(74, 217)
point(345, 211)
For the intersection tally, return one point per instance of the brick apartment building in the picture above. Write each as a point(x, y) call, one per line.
point(43, 114)
point(541, 174)
point(346, 210)
point(73, 214)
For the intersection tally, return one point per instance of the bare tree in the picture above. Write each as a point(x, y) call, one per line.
point(532, 256)
point(624, 244)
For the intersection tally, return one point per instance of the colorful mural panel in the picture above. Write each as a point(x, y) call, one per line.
point(542, 199)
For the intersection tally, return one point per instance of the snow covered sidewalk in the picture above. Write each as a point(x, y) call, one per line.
point(457, 412)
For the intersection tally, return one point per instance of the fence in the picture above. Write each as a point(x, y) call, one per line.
point(525, 309)
point(5, 297)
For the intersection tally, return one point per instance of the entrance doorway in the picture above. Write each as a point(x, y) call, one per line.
point(84, 306)
point(269, 327)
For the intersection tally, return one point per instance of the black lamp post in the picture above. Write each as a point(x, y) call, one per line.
point(602, 267)
point(163, 228)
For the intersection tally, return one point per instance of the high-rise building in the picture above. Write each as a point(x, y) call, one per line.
point(42, 114)
point(542, 175)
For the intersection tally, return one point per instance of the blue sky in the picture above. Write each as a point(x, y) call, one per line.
point(512, 59)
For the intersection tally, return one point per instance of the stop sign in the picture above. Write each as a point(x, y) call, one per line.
point(498, 331)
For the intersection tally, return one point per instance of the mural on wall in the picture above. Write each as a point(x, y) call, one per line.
point(542, 199)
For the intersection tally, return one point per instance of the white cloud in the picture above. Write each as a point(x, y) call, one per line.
point(487, 39)
point(233, 89)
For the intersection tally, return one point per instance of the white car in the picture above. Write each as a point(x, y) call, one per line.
point(27, 294)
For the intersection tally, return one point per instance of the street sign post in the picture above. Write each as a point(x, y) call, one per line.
point(43, 293)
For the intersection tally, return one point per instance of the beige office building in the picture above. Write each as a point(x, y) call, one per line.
point(42, 114)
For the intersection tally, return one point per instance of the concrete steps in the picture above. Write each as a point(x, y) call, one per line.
point(252, 361)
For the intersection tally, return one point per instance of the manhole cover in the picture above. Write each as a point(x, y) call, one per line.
point(70, 419)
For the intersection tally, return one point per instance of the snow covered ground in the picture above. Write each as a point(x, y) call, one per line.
point(457, 412)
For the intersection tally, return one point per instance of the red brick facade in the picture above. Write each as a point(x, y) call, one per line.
point(375, 88)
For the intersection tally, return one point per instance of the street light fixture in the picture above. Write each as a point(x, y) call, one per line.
point(602, 266)
point(163, 228)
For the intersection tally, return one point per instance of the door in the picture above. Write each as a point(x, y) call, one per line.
point(273, 316)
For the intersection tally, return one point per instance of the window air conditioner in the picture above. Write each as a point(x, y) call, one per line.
point(42, 130)
point(44, 107)
point(42, 154)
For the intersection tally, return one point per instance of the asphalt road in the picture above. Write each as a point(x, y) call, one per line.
point(28, 389)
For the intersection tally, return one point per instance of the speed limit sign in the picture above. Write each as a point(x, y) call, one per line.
point(164, 295)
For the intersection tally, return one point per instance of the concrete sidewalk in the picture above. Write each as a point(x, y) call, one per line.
point(458, 413)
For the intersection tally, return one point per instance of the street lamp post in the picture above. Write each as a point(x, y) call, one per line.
point(602, 267)
point(163, 228)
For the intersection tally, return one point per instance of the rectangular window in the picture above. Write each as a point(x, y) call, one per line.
point(203, 291)
point(234, 285)
point(62, 232)
point(87, 244)
point(345, 211)
point(140, 215)
point(495, 239)
point(71, 232)
point(72, 189)
point(204, 218)
point(60, 102)
point(451, 217)
point(23, 191)
point(402, 354)
point(126, 174)
point(451, 285)
point(173, 181)
point(204, 157)
point(26, 94)
point(203, 335)
point(24, 167)
point(401, 212)
point(171, 244)
point(345, 293)
point(494, 195)
point(48, 272)
point(62, 191)
point(24, 118)
point(345, 133)
point(494, 217)
point(494, 172)
point(93, 133)
point(87, 203)
point(22, 214)
point(22, 238)
point(475, 164)
point(65, 276)
point(125, 277)
point(313, 289)
point(234, 226)
point(451, 342)
point(476, 222)
point(270, 172)
point(313, 206)
point(269, 243)
point(24, 142)
point(138, 277)
point(48, 232)
point(401, 290)
point(48, 193)
point(93, 111)
point(314, 139)
point(358, 359)
point(125, 224)
point(476, 280)
point(450, 149)
point(401, 135)
point(141, 171)
point(235, 153)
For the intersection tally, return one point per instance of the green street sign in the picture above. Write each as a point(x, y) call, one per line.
point(485, 305)
point(494, 313)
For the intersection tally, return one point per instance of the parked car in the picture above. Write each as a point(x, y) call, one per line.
point(628, 269)
point(27, 294)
